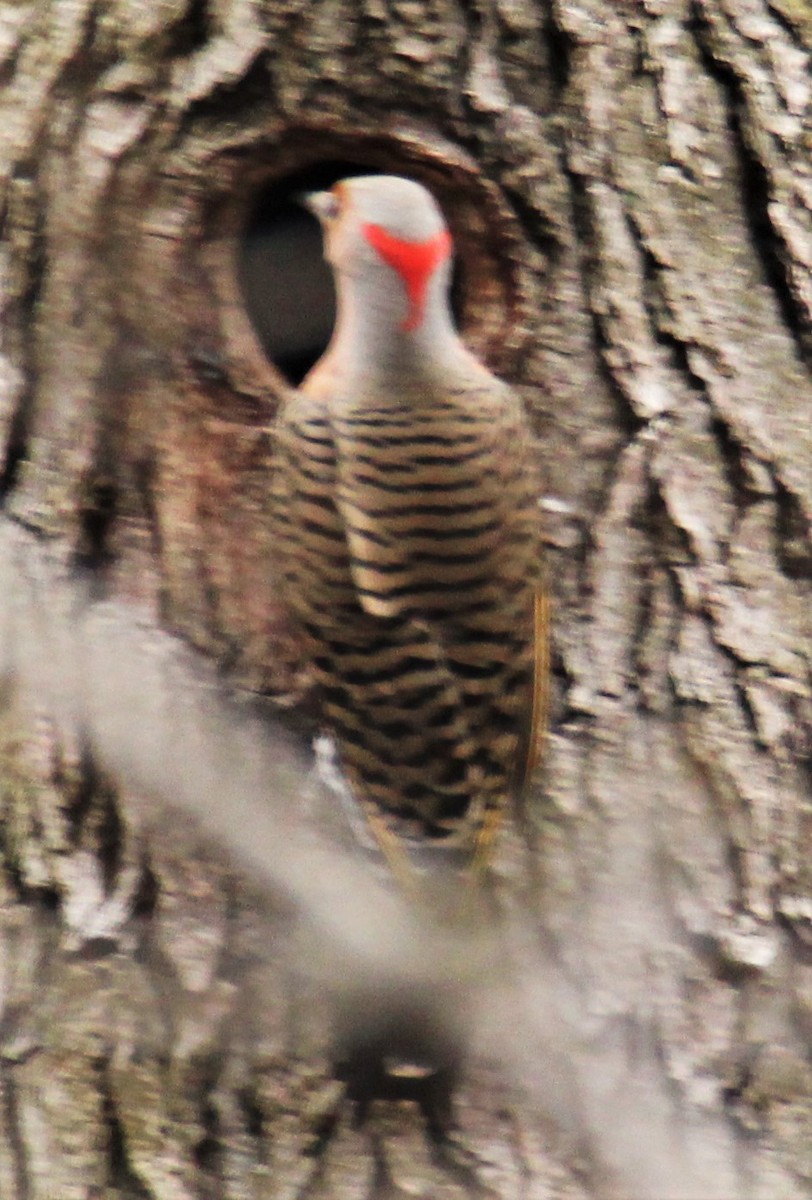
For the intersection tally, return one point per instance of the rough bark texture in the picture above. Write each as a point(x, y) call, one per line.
point(630, 186)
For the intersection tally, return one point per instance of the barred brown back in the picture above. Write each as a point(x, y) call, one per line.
point(410, 553)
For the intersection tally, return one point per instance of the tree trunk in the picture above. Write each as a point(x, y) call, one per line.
point(630, 191)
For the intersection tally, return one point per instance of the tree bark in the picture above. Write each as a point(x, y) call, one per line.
point(630, 191)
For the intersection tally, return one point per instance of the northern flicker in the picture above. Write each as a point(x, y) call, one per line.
point(406, 506)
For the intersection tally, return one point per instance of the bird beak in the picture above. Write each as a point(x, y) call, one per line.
point(320, 204)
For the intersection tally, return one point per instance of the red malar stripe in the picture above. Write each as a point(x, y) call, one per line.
point(415, 263)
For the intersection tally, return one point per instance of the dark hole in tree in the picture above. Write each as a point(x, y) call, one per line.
point(287, 285)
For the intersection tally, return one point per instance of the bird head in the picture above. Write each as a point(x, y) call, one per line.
point(375, 225)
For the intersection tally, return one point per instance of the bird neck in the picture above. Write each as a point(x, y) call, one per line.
point(374, 336)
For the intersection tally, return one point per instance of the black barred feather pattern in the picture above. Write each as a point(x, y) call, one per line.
point(408, 533)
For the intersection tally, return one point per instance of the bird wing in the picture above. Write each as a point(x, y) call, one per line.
point(439, 506)
point(408, 551)
point(388, 694)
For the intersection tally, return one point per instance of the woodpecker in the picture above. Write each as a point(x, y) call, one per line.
point(406, 506)
point(405, 499)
